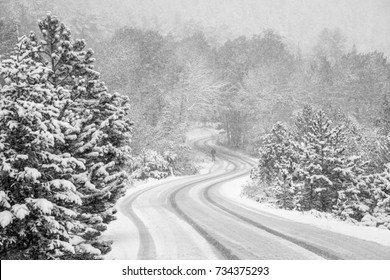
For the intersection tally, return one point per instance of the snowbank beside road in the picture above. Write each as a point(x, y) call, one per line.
point(123, 232)
point(232, 191)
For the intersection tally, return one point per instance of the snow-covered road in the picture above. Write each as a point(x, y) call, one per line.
point(196, 217)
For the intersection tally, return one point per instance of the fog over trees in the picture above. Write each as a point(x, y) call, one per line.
point(74, 132)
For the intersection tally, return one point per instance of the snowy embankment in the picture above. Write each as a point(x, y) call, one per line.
point(123, 232)
point(232, 191)
point(124, 235)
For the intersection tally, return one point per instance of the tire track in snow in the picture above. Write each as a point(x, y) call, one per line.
point(147, 247)
point(306, 245)
point(219, 247)
point(325, 253)
point(224, 251)
point(214, 181)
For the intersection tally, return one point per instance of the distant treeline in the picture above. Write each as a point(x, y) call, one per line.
point(245, 84)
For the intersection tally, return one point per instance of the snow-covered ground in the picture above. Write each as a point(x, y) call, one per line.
point(123, 231)
point(232, 191)
point(200, 132)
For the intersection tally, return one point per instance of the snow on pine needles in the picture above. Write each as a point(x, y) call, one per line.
point(64, 148)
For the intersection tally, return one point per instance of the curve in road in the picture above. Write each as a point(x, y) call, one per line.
point(190, 218)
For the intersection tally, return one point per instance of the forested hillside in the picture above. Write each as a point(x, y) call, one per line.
point(74, 131)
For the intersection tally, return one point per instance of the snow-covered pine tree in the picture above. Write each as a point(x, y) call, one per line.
point(302, 122)
point(101, 128)
point(383, 123)
point(365, 196)
point(353, 198)
point(311, 166)
point(37, 195)
point(272, 149)
point(379, 151)
point(380, 194)
point(277, 164)
point(93, 134)
point(322, 159)
point(370, 200)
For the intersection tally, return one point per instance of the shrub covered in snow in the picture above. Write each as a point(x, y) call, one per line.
point(151, 164)
point(64, 143)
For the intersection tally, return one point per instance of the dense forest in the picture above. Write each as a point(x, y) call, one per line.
point(317, 121)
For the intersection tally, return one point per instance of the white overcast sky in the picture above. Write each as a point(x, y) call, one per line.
point(365, 23)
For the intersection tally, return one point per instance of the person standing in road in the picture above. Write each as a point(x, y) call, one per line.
point(213, 153)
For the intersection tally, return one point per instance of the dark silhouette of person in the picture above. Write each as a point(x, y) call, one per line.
point(213, 153)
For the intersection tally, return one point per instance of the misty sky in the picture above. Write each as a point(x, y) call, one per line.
point(364, 22)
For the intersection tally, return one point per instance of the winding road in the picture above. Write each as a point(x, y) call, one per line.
point(190, 218)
